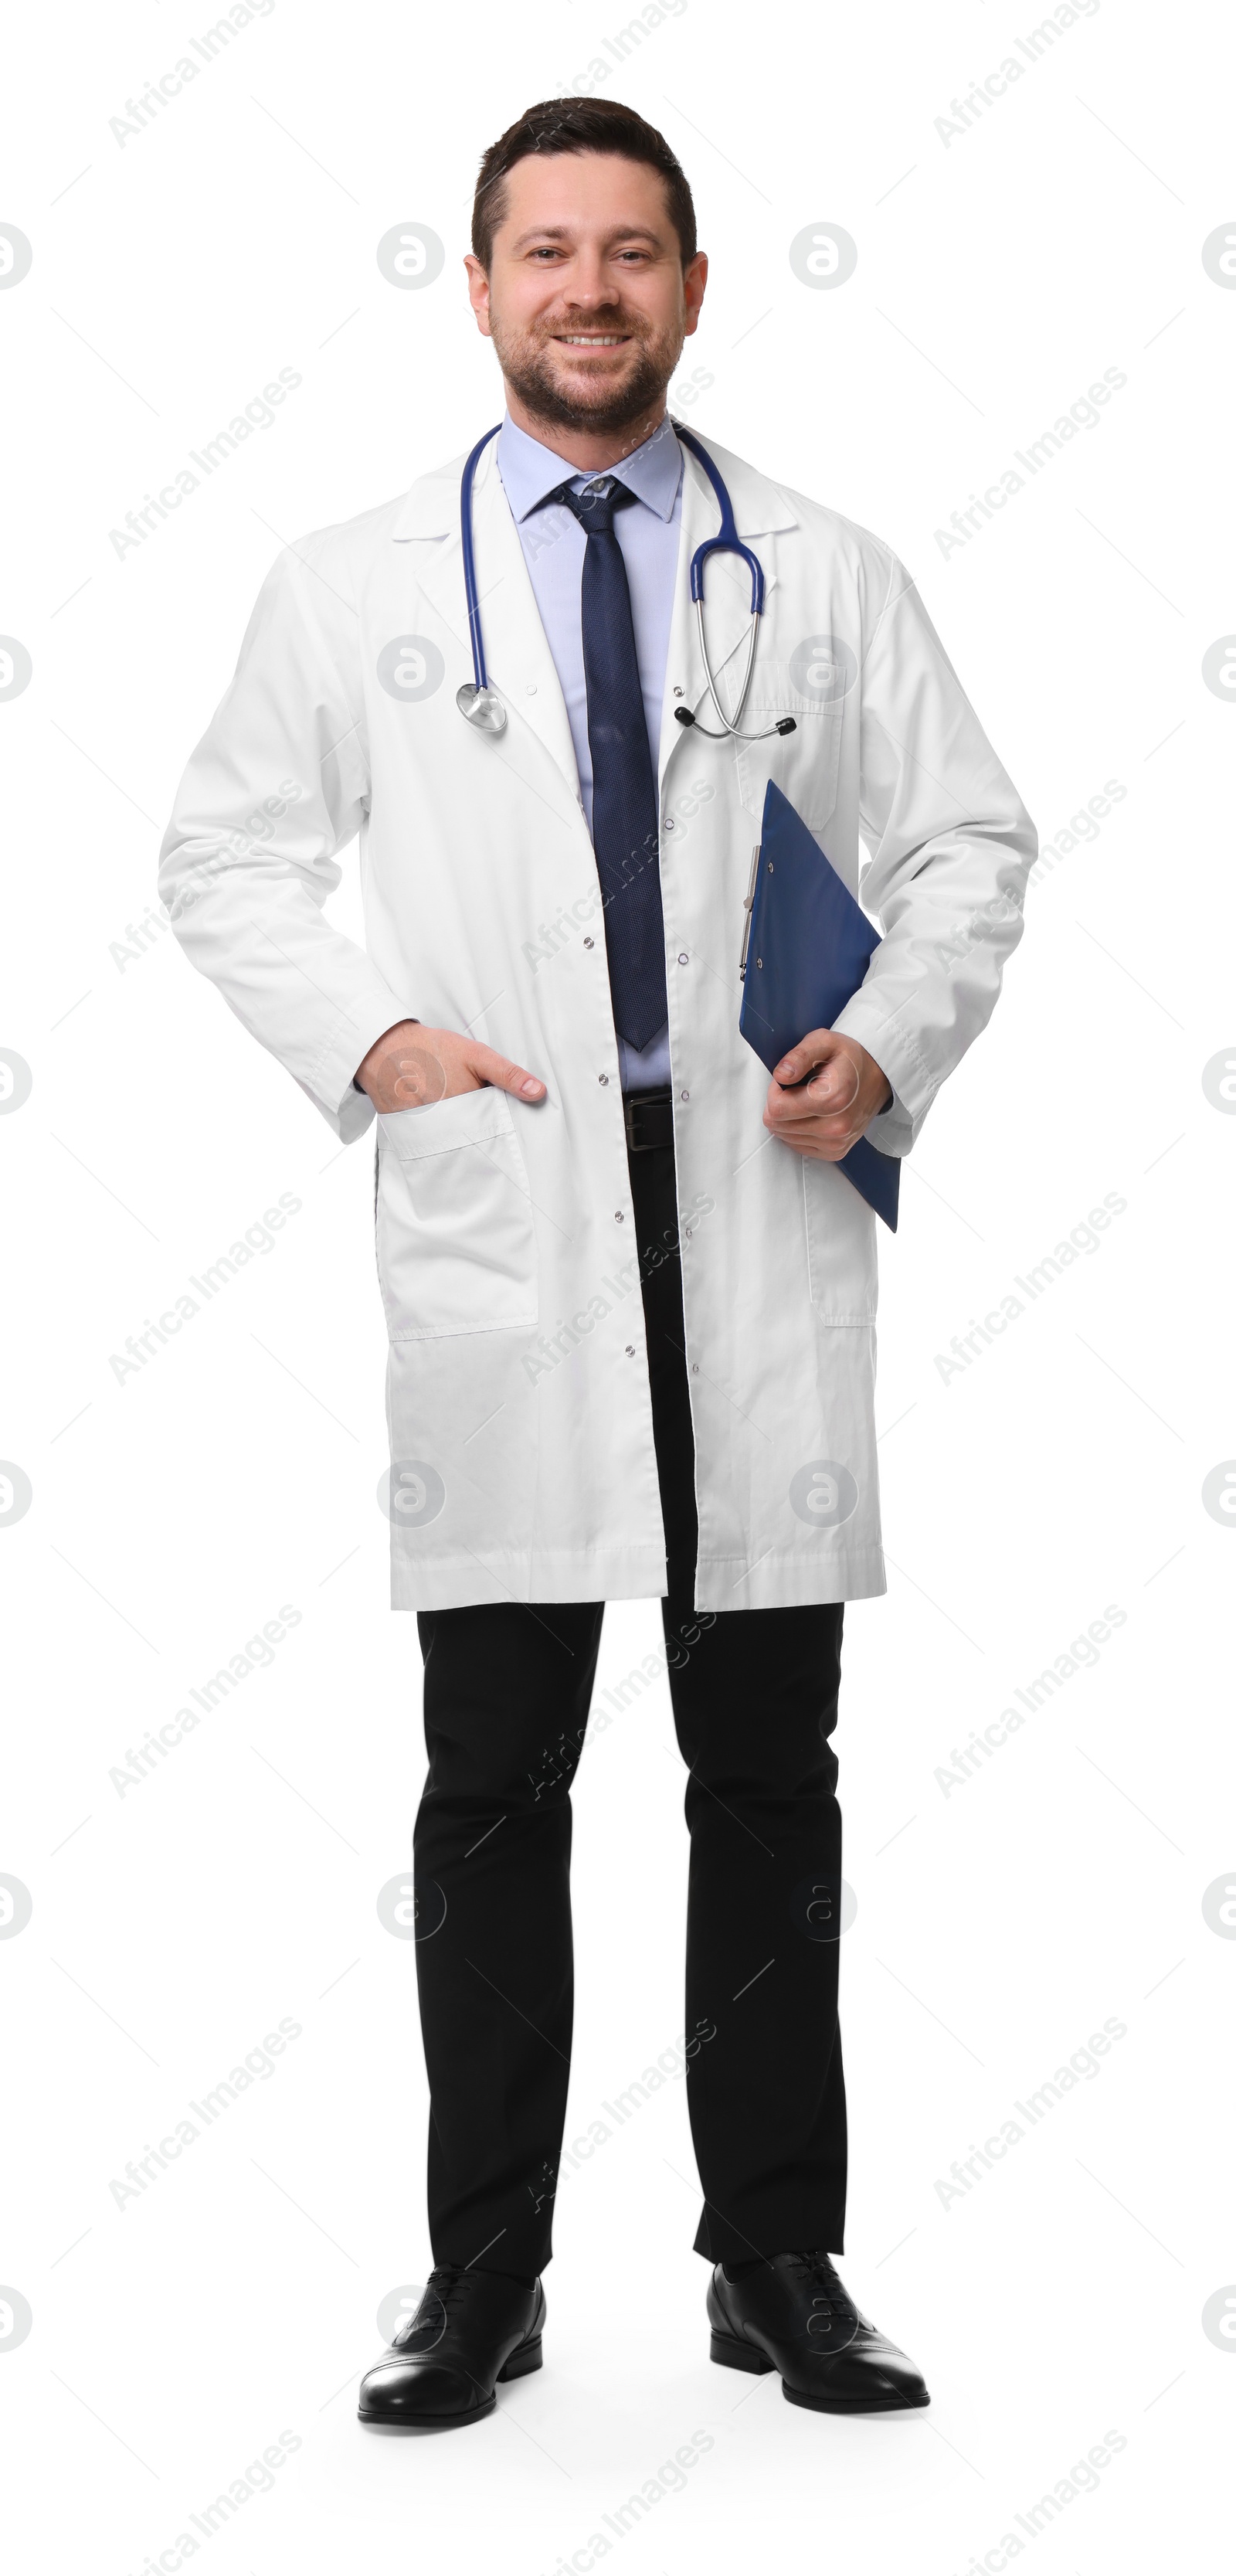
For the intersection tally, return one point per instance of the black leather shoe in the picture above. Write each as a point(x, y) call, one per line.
point(470, 2329)
point(792, 2314)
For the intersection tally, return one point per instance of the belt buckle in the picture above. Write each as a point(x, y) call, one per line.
point(648, 1109)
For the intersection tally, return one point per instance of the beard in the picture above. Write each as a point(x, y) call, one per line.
point(607, 404)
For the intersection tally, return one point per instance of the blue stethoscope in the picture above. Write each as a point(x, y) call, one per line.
point(484, 709)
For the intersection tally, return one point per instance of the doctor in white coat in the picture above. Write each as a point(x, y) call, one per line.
point(630, 1298)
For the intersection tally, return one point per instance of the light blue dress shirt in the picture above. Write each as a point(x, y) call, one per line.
point(554, 546)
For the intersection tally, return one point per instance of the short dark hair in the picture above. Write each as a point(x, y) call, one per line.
point(577, 125)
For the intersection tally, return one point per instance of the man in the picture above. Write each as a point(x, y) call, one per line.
point(630, 1297)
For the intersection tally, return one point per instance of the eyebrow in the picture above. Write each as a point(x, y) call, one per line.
point(561, 233)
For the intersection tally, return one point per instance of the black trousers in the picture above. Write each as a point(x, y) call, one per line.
point(754, 1692)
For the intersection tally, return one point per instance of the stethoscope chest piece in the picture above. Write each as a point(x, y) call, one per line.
point(482, 708)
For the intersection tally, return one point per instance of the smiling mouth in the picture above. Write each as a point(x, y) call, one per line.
point(592, 339)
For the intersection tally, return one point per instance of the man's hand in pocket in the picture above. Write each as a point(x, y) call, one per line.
point(411, 1066)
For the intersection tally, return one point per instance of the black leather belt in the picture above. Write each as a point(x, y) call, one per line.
point(649, 1119)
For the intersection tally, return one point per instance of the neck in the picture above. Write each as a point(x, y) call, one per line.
point(588, 450)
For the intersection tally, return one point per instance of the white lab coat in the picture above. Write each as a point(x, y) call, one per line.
point(518, 1403)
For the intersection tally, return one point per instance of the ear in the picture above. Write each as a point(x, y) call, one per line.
point(478, 292)
point(694, 281)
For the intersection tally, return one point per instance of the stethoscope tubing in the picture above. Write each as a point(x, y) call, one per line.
point(726, 541)
point(471, 594)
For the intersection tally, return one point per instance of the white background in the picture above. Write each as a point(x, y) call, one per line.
point(1000, 272)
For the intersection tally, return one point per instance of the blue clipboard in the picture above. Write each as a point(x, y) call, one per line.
point(807, 950)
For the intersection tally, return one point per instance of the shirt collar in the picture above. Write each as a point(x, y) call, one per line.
point(529, 470)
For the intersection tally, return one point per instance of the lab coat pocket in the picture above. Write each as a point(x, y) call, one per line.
point(841, 1246)
point(805, 764)
point(456, 1242)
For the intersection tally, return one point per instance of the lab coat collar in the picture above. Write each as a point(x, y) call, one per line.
point(431, 507)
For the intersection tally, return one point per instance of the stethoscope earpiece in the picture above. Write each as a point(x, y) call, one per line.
point(784, 724)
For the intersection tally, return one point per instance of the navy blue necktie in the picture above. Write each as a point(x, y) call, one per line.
point(625, 825)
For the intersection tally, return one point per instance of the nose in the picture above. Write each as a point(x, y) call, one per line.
point(590, 285)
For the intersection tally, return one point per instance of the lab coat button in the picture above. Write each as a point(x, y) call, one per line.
point(619, 1218)
point(588, 943)
point(602, 1078)
point(630, 1350)
point(682, 957)
point(669, 822)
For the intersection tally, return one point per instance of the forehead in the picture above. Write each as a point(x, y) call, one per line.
point(583, 192)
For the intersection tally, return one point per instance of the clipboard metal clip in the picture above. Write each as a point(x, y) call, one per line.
point(750, 899)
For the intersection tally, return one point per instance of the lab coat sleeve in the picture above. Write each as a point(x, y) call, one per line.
point(278, 785)
point(951, 846)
